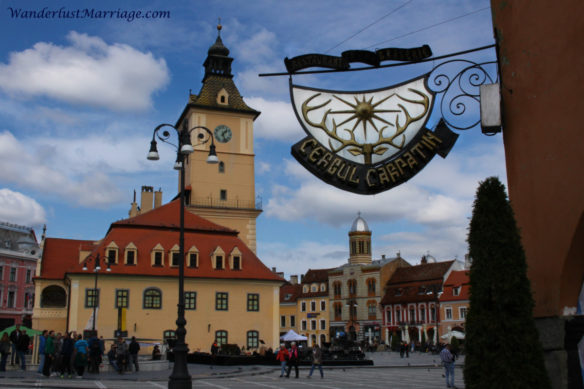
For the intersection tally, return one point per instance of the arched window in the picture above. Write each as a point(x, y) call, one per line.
point(371, 286)
point(337, 289)
point(221, 337)
point(352, 285)
point(253, 339)
point(53, 297)
point(152, 298)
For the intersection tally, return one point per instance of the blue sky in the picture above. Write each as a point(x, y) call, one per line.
point(79, 99)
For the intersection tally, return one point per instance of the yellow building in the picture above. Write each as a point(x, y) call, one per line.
point(229, 294)
point(289, 293)
point(454, 303)
point(313, 307)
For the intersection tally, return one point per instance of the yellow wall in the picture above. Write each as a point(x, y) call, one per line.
point(318, 316)
point(289, 310)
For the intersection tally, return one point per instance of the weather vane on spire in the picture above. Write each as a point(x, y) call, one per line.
point(219, 26)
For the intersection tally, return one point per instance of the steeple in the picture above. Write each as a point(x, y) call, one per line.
point(218, 61)
point(360, 242)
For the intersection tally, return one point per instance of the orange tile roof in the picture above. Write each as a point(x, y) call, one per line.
point(460, 279)
point(289, 293)
point(59, 255)
point(423, 272)
point(161, 226)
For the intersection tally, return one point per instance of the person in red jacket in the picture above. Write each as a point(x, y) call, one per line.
point(282, 356)
point(293, 359)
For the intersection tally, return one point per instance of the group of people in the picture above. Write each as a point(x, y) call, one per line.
point(16, 344)
point(291, 358)
point(122, 356)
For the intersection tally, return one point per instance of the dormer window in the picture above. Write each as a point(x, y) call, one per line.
point(219, 262)
point(192, 257)
point(130, 254)
point(323, 287)
point(305, 289)
point(174, 256)
point(235, 259)
point(223, 97)
point(157, 256)
point(456, 291)
point(218, 259)
point(111, 253)
point(314, 288)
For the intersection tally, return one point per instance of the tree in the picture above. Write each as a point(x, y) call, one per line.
point(502, 343)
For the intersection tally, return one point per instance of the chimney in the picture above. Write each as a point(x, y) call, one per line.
point(424, 260)
point(158, 198)
point(294, 279)
point(382, 256)
point(146, 199)
point(274, 270)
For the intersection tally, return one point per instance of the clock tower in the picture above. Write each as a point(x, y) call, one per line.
point(225, 192)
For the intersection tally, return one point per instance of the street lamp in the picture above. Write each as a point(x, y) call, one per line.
point(180, 377)
point(96, 269)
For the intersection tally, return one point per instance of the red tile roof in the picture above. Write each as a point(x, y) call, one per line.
point(316, 275)
point(289, 293)
point(145, 233)
point(457, 279)
point(60, 255)
point(424, 272)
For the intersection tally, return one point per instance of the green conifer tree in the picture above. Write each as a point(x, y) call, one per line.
point(502, 344)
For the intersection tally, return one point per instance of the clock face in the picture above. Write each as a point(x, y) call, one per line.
point(223, 133)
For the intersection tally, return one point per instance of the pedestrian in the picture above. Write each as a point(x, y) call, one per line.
point(402, 349)
point(121, 354)
point(214, 351)
point(94, 355)
point(447, 359)
point(81, 349)
point(156, 354)
point(293, 360)
point(316, 361)
point(133, 349)
point(22, 348)
point(282, 356)
point(58, 360)
point(42, 342)
point(66, 354)
point(14, 338)
point(4, 350)
point(111, 357)
point(49, 353)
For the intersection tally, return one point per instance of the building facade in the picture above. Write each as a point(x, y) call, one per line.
point(230, 295)
point(454, 303)
point(356, 288)
point(289, 293)
point(19, 254)
point(313, 307)
point(411, 301)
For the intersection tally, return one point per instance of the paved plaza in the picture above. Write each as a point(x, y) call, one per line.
point(420, 371)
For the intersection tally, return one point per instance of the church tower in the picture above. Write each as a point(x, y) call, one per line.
point(223, 193)
point(360, 242)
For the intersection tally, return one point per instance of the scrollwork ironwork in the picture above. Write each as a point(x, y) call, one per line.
point(457, 87)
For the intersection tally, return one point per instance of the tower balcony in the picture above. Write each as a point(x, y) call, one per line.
point(216, 202)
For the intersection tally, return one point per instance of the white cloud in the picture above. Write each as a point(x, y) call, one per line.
point(277, 120)
point(20, 209)
point(37, 167)
point(88, 71)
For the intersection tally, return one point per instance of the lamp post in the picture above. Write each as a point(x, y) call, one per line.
point(180, 377)
point(96, 269)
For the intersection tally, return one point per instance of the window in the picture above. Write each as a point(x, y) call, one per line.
point(193, 260)
point(338, 308)
point(219, 262)
point(323, 305)
point(432, 313)
point(221, 337)
point(448, 312)
point(253, 339)
point(303, 306)
point(322, 324)
point(462, 313)
point(313, 324)
point(388, 316)
point(175, 259)
point(303, 325)
point(28, 275)
point(11, 303)
point(1, 273)
point(283, 321)
point(353, 247)
point(236, 263)
point(312, 306)
point(412, 315)
point(323, 287)
point(361, 247)
point(111, 256)
point(352, 285)
point(305, 289)
point(158, 258)
point(152, 298)
point(337, 289)
point(423, 314)
point(292, 321)
point(91, 298)
point(223, 194)
point(456, 291)
point(221, 301)
point(222, 164)
point(398, 314)
point(130, 257)
point(314, 288)
point(190, 300)
point(353, 309)
point(13, 274)
point(122, 298)
point(371, 286)
point(372, 310)
point(253, 302)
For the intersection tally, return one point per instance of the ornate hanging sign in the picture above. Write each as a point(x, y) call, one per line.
point(370, 141)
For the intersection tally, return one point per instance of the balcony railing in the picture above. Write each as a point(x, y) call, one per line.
point(213, 202)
